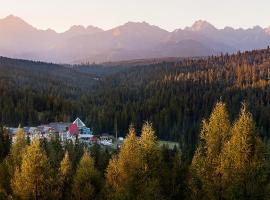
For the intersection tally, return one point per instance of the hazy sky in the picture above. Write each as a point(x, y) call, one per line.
point(168, 14)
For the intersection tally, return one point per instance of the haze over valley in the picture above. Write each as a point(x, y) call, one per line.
point(132, 40)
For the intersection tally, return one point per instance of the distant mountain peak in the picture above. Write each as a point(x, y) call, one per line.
point(202, 25)
point(142, 24)
point(14, 19)
point(15, 23)
point(82, 30)
point(131, 24)
point(94, 27)
point(77, 27)
point(11, 17)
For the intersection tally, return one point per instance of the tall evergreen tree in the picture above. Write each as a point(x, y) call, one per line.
point(178, 179)
point(75, 151)
point(5, 143)
point(55, 151)
point(4, 181)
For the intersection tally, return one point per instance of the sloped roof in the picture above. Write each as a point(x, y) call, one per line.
point(73, 129)
point(79, 123)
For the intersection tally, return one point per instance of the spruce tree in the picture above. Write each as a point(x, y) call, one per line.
point(5, 143)
point(4, 181)
point(55, 151)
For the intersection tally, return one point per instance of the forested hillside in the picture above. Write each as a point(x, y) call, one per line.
point(175, 96)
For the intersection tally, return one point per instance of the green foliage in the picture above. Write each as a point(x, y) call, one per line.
point(101, 157)
point(87, 180)
point(174, 96)
point(4, 180)
point(5, 143)
point(55, 151)
point(75, 151)
point(173, 174)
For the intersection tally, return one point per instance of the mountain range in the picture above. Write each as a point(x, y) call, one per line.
point(133, 40)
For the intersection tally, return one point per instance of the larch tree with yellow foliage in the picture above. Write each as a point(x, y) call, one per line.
point(65, 177)
point(17, 149)
point(150, 159)
point(13, 160)
point(122, 171)
point(134, 172)
point(206, 177)
point(244, 161)
point(33, 179)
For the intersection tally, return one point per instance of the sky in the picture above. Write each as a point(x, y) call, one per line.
point(168, 14)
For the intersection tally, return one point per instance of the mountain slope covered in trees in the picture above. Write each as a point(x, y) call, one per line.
point(175, 96)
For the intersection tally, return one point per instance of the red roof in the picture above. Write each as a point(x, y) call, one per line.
point(73, 129)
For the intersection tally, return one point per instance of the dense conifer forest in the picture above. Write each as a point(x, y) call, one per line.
point(175, 96)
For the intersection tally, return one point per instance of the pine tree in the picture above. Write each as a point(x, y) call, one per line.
point(206, 179)
point(244, 161)
point(55, 151)
point(65, 175)
point(33, 179)
point(75, 151)
point(5, 165)
point(4, 181)
point(178, 173)
point(87, 180)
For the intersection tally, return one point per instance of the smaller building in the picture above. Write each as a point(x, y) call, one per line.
point(106, 139)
